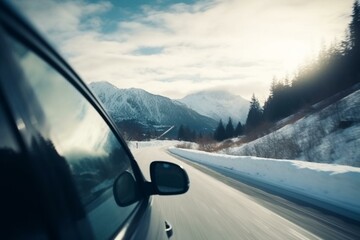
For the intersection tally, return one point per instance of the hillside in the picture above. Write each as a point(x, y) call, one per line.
point(330, 135)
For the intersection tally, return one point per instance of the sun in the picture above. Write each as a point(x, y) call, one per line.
point(294, 54)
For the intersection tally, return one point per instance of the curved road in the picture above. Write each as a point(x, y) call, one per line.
point(218, 207)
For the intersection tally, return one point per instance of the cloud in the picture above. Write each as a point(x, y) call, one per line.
point(148, 50)
point(62, 20)
point(181, 48)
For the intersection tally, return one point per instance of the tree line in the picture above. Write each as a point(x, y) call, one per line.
point(221, 132)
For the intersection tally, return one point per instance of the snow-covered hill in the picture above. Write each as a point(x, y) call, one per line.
point(218, 105)
point(148, 109)
point(331, 135)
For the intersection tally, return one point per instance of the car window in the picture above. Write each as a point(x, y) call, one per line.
point(82, 137)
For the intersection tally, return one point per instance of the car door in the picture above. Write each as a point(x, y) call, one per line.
point(73, 151)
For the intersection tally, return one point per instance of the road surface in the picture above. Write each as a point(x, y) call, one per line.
point(218, 207)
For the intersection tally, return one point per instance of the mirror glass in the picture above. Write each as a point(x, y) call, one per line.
point(169, 178)
point(125, 190)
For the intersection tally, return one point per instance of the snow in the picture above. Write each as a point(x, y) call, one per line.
point(337, 185)
point(218, 105)
point(152, 143)
point(148, 109)
point(127, 104)
point(317, 137)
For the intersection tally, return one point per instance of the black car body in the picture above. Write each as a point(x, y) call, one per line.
point(65, 171)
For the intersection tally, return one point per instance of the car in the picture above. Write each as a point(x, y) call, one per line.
point(65, 170)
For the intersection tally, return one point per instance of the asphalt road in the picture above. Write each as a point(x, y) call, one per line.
point(219, 207)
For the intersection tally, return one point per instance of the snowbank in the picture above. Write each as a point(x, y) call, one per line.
point(161, 143)
point(334, 184)
point(151, 143)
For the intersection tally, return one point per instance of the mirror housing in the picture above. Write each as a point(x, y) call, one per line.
point(168, 178)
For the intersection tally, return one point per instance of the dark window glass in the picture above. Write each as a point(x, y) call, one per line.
point(8, 144)
point(79, 135)
point(17, 218)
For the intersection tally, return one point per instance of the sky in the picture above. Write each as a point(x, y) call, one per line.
point(174, 48)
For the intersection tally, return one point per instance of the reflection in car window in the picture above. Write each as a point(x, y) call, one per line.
point(7, 142)
point(81, 136)
point(16, 185)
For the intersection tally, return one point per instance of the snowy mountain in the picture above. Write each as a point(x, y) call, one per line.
point(218, 105)
point(148, 109)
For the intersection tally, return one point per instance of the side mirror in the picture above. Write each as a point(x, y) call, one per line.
point(168, 178)
point(125, 190)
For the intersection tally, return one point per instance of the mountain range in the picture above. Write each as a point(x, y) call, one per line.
point(200, 112)
point(148, 109)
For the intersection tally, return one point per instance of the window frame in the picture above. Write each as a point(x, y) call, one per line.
point(18, 28)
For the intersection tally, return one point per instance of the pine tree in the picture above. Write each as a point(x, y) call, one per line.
point(354, 28)
point(229, 130)
point(239, 130)
point(181, 133)
point(220, 133)
point(254, 117)
point(186, 134)
point(354, 42)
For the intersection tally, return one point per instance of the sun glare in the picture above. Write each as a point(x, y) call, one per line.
point(293, 56)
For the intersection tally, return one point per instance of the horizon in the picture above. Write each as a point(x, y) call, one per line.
point(176, 48)
point(192, 93)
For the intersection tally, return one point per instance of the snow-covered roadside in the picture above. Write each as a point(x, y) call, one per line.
point(334, 184)
point(161, 143)
point(143, 144)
